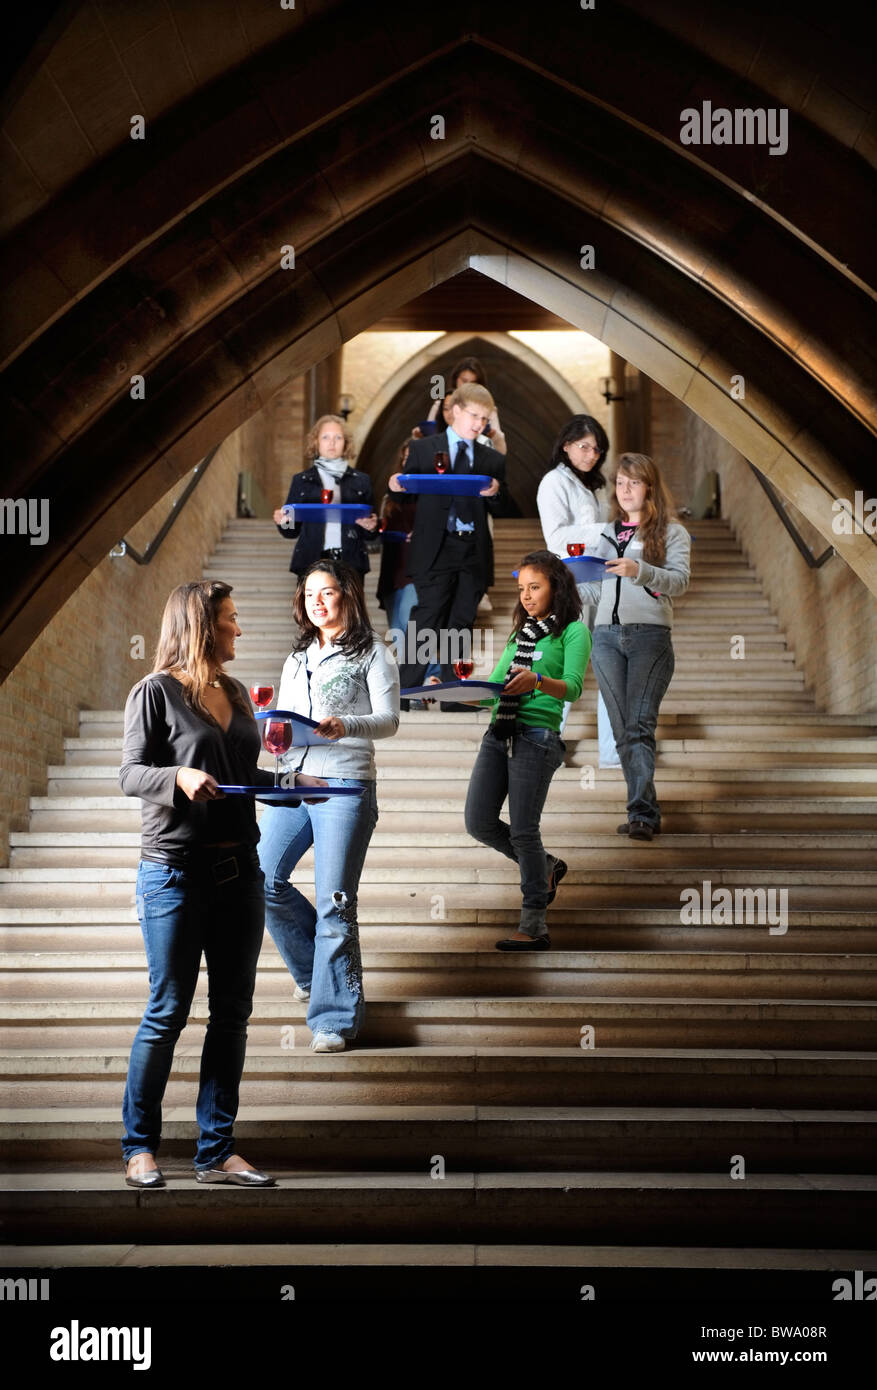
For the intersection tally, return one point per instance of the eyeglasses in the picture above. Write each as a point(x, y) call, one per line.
point(585, 448)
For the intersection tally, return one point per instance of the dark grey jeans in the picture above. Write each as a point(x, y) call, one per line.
point(520, 769)
point(633, 664)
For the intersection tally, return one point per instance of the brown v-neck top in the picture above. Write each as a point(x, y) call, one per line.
point(163, 733)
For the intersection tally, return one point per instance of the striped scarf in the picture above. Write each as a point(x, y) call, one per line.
point(507, 711)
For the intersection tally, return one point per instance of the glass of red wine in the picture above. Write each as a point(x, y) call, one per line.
point(442, 461)
point(464, 669)
point(575, 548)
point(277, 739)
point(261, 695)
point(327, 495)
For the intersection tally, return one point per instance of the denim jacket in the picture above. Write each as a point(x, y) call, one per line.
point(362, 691)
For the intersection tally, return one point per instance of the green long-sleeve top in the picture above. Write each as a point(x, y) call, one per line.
point(563, 657)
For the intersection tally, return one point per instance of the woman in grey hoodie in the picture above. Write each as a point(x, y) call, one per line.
point(648, 565)
point(340, 674)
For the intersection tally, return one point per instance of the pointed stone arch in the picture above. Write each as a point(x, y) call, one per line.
point(534, 400)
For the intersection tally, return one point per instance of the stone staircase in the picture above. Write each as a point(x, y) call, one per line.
point(595, 1097)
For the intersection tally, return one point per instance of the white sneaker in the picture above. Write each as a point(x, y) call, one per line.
point(300, 995)
point(327, 1042)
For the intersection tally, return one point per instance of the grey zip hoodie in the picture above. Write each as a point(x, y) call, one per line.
point(362, 691)
point(647, 597)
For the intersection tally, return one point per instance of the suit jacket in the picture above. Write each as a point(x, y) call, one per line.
point(431, 518)
point(307, 487)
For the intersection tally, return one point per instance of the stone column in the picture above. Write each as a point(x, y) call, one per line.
point(617, 409)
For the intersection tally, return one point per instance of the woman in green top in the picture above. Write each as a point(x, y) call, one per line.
point(546, 655)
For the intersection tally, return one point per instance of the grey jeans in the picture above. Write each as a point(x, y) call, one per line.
point(520, 769)
point(633, 663)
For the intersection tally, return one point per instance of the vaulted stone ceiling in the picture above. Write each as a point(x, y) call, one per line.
point(312, 128)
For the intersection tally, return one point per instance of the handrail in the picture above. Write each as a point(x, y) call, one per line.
point(814, 561)
point(152, 548)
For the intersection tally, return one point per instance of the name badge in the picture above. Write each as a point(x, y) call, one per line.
point(537, 656)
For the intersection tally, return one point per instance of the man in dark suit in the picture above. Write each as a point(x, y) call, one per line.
point(451, 552)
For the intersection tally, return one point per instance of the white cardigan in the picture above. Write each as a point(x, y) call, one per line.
point(566, 507)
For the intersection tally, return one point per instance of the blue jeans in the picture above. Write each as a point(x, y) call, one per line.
point(634, 664)
point(320, 944)
point(520, 769)
point(184, 912)
point(400, 607)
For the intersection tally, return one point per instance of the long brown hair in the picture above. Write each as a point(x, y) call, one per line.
point(188, 639)
point(659, 509)
point(358, 635)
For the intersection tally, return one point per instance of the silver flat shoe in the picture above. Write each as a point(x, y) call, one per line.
point(153, 1177)
point(244, 1177)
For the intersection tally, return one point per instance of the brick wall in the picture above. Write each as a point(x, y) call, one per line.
point(82, 659)
point(284, 435)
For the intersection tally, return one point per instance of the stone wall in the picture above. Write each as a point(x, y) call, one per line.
point(83, 658)
point(828, 615)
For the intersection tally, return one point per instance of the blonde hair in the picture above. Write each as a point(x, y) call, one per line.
point(188, 639)
point(659, 509)
point(470, 393)
point(312, 448)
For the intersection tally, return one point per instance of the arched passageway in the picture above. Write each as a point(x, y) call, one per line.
point(163, 258)
point(530, 405)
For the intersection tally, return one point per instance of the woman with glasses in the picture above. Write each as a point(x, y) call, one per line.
point(572, 495)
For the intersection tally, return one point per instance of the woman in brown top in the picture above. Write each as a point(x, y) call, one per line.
point(189, 727)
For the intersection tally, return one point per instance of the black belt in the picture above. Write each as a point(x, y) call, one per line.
point(223, 862)
point(335, 554)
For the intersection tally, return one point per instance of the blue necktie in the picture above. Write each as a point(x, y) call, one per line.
point(461, 517)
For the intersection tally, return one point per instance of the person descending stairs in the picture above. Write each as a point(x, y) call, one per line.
point(709, 998)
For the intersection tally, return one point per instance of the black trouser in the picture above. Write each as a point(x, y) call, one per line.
point(447, 601)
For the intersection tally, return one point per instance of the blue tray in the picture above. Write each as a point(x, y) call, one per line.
point(327, 511)
point(470, 690)
point(587, 569)
point(448, 484)
point(302, 727)
point(288, 793)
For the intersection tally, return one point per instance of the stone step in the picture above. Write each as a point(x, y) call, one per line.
point(682, 1023)
point(742, 726)
point(460, 752)
point(664, 1268)
point(413, 892)
point(102, 779)
point(782, 846)
point(797, 1209)
point(61, 1002)
point(467, 1075)
point(390, 927)
point(394, 849)
point(288, 1139)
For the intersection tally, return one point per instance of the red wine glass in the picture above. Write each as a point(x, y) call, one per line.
point(442, 461)
point(327, 495)
point(277, 739)
point(575, 548)
point(464, 669)
point(261, 695)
